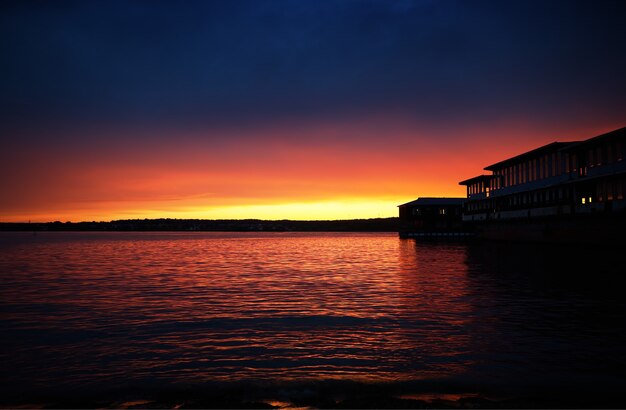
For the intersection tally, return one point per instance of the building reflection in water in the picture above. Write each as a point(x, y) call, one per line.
point(517, 319)
point(555, 316)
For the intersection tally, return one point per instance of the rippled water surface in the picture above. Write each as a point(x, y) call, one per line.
point(129, 309)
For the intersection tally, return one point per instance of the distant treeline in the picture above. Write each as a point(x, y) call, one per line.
point(224, 225)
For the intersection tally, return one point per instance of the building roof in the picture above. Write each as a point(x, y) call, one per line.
point(553, 146)
point(615, 134)
point(435, 201)
point(478, 179)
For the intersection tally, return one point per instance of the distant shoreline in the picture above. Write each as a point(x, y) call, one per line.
point(392, 224)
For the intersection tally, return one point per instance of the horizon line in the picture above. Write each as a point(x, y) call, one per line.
point(199, 219)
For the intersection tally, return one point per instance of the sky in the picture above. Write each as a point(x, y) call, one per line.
point(292, 109)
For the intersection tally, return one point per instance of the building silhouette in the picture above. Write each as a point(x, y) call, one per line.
point(561, 178)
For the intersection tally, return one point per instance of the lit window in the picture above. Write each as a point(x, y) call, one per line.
point(583, 200)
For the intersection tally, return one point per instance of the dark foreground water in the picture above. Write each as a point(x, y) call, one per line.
point(329, 320)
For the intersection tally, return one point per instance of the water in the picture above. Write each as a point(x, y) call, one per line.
point(96, 312)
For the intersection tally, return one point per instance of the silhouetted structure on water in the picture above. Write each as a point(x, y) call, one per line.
point(432, 217)
point(560, 192)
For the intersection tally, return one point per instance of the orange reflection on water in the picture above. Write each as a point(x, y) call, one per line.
point(436, 290)
point(227, 307)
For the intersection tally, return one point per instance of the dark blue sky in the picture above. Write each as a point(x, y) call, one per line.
point(220, 63)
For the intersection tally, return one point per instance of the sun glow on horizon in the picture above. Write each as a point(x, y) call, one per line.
point(318, 210)
point(335, 209)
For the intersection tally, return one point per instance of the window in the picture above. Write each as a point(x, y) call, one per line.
point(600, 189)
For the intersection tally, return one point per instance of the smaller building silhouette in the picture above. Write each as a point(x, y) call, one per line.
point(432, 214)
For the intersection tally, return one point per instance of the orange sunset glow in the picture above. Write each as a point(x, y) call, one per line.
point(340, 171)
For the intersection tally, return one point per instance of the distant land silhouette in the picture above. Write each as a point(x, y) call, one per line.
point(223, 225)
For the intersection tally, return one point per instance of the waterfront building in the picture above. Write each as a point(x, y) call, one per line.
point(555, 179)
point(563, 192)
point(559, 185)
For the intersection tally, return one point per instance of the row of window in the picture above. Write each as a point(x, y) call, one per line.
point(549, 165)
point(607, 153)
point(545, 166)
point(548, 197)
point(476, 188)
point(436, 211)
point(601, 192)
point(610, 190)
